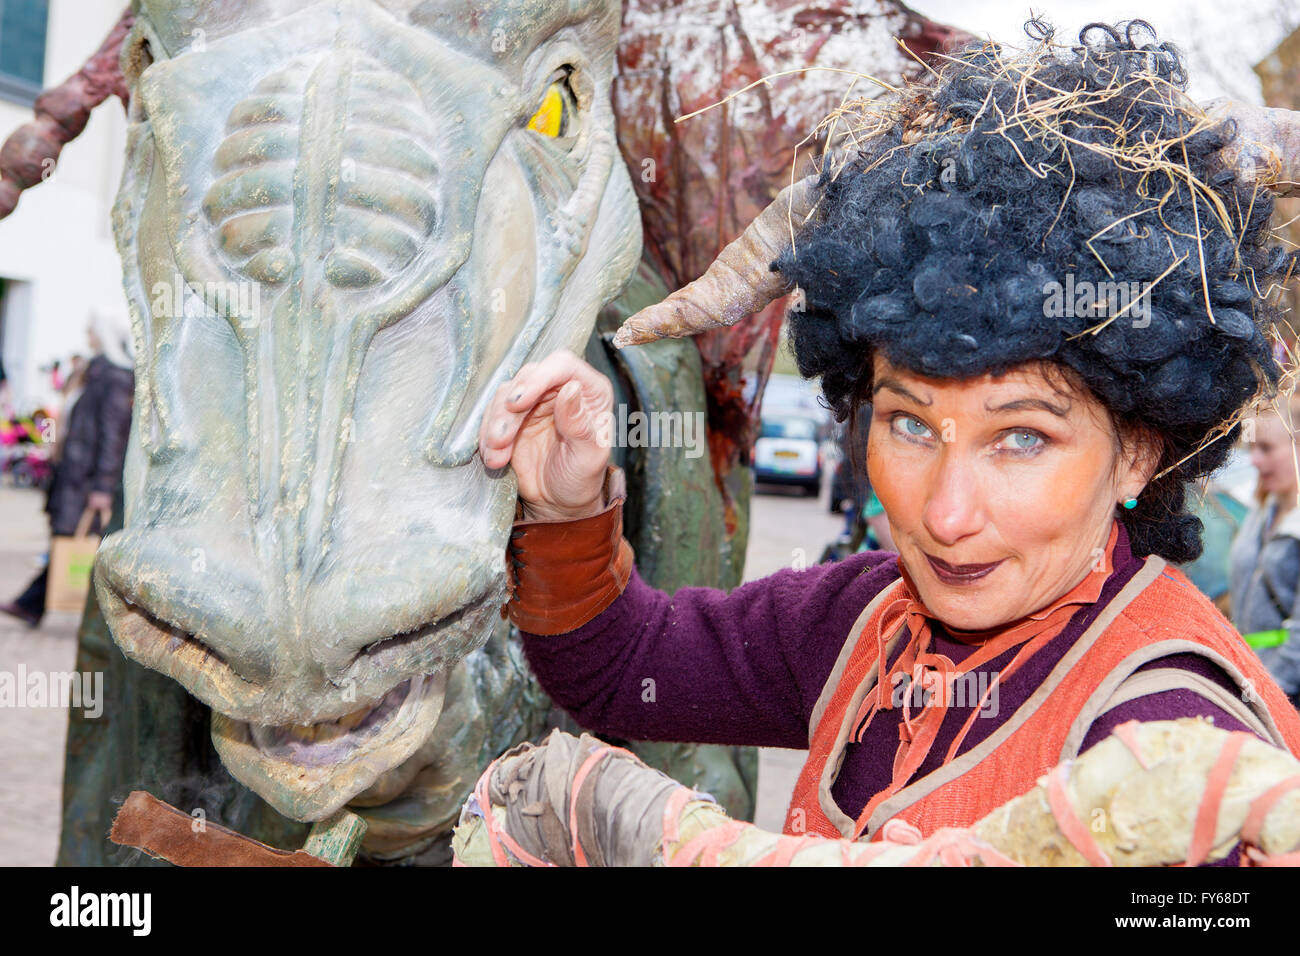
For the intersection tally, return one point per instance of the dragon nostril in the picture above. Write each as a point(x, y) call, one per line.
point(192, 649)
point(176, 640)
point(392, 642)
point(409, 648)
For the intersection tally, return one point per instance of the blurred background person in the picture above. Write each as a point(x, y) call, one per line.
point(91, 444)
point(1264, 562)
point(1221, 506)
point(6, 395)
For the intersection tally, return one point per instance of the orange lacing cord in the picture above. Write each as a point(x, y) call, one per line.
point(1252, 855)
point(1207, 814)
point(1068, 821)
point(499, 841)
point(706, 846)
point(1127, 733)
point(593, 758)
point(953, 846)
point(956, 846)
point(673, 811)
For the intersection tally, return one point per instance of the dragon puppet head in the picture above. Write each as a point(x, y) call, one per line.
point(342, 225)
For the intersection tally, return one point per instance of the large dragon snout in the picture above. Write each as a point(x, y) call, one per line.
point(342, 228)
point(324, 678)
point(197, 603)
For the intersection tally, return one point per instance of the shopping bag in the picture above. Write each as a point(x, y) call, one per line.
point(71, 558)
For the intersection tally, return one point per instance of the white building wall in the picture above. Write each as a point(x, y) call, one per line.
point(59, 242)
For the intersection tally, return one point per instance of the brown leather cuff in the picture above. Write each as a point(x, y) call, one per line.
point(564, 573)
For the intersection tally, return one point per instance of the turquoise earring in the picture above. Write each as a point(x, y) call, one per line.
point(1130, 503)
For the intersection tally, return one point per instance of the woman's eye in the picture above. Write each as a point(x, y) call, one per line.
point(554, 115)
point(910, 427)
point(1025, 440)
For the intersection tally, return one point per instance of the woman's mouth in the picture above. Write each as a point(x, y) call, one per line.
point(959, 573)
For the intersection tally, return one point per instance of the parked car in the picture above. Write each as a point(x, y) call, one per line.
point(788, 452)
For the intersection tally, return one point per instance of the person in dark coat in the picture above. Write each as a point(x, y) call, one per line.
point(91, 447)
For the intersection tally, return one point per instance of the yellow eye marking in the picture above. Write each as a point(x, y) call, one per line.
point(549, 118)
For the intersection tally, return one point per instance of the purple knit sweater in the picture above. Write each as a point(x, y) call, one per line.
point(747, 667)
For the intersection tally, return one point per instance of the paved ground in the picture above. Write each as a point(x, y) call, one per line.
point(787, 529)
point(31, 739)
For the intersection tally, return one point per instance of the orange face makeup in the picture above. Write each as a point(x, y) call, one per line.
point(1000, 491)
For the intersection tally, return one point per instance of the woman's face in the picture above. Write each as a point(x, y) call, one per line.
point(1272, 456)
point(1004, 471)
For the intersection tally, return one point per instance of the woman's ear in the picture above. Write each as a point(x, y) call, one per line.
point(1143, 449)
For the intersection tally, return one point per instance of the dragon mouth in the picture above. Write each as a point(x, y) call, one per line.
point(307, 749)
point(309, 771)
point(175, 647)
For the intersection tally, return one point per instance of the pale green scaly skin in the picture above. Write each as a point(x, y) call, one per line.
point(338, 236)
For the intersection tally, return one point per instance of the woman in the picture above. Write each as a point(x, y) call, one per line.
point(1264, 562)
point(1031, 468)
point(91, 448)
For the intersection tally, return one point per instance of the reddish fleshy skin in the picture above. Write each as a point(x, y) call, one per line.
point(29, 154)
point(700, 181)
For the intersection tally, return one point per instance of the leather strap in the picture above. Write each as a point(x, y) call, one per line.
point(565, 572)
point(164, 832)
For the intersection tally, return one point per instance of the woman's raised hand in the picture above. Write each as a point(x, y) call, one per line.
point(551, 423)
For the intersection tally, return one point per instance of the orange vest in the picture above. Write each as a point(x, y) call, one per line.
point(1158, 612)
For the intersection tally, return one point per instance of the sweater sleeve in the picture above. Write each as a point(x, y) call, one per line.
point(1169, 704)
point(707, 666)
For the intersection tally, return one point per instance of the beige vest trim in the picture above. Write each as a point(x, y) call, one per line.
point(842, 822)
point(850, 645)
point(960, 764)
point(1158, 680)
point(1112, 692)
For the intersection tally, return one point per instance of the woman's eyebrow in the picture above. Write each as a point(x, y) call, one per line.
point(894, 385)
point(1023, 403)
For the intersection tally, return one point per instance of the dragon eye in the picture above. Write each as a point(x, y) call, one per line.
point(552, 117)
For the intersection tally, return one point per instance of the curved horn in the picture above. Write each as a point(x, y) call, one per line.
point(738, 283)
point(1267, 146)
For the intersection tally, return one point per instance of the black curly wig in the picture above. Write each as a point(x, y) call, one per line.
point(1064, 166)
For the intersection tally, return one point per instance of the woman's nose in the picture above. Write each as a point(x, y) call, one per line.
point(953, 509)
